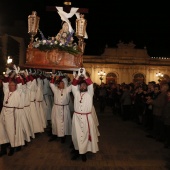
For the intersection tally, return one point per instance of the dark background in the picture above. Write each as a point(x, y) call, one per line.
point(145, 23)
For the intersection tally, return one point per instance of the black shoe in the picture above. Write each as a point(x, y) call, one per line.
point(76, 155)
point(49, 132)
point(11, 152)
point(54, 137)
point(71, 145)
point(2, 153)
point(18, 148)
point(73, 151)
point(3, 149)
point(63, 139)
point(83, 157)
point(26, 144)
point(149, 136)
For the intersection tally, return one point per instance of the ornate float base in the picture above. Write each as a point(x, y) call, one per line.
point(52, 59)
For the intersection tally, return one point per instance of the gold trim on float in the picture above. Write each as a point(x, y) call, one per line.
point(67, 3)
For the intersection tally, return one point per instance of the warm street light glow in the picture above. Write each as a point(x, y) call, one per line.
point(9, 60)
point(101, 74)
point(160, 76)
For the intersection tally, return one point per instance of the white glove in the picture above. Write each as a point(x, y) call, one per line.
point(84, 72)
point(60, 73)
point(34, 72)
point(80, 72)
point(26, 73)
point(74, 74)
point(39, 72)
point(30, 71)
point(53, 75)
point(65, 81)
point(8, 71)
point(15, 68)
point(21, 71)
point(43, 72)
point(18, 70)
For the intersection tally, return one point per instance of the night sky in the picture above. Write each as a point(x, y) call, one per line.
point(146, 24)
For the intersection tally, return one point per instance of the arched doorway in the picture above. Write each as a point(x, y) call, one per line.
point(111, 78)
point(139, 78)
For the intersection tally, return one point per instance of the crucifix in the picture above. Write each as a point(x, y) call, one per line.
point(67, 12)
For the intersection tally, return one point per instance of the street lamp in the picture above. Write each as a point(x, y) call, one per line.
point(101, 74)
point(9, 60)
point(160, 76)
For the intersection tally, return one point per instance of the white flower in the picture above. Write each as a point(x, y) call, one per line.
point(44, 41)
point(36, 45)
point(55, 42)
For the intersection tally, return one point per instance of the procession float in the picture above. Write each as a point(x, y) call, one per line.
point(59, 52)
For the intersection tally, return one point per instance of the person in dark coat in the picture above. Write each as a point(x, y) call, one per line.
point(158, 106)
point(139, 104)
point(102, 97)
point(1, 95)
point(126, 102)
point(166, 121)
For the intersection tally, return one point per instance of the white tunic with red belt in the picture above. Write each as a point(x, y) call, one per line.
point(38, 128)
point(47, 105)
point(84, 134)
point(21, 115)
point(39, 102)
point(9, 116)
point(27, 107)
point(60, 116)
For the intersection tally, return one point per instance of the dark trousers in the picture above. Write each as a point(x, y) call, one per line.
point(149, 119)
point(126, 112)
point(167, 135)
point(102, 101)
point(158, 128)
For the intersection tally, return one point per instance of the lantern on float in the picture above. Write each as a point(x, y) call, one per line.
point(81, 24)
point(33, 25)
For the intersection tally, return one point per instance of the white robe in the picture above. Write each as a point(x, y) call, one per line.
point(51, 97)
point(47, 106)
point(95, 118)
point(39, 102)
point(3, 134)
point(27, 108)
point(38, 128)
point(9, 116)
point(83, 125)
point(61, 117)
point(20, 113)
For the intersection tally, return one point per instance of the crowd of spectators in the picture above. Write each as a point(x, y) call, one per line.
point(146, 104)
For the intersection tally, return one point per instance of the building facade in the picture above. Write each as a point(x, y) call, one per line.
point(127, 64)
